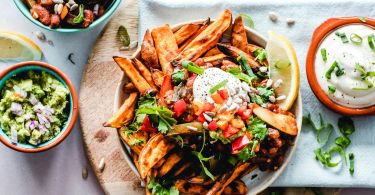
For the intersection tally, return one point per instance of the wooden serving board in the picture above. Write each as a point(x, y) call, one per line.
point(96, 100)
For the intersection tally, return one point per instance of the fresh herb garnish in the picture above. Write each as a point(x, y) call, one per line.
point(331, 69)
point(364, 76)
point(248, 152)
point(248, 19)
point(179, 140)
point(123, 35)
point(260, 55)
point(356, 39)
point(137, 142)
point(371, 40)
point(203, 159)
point(340, 71)
point(342, 141)
point(236, 72)
point(351, 163)
point(323, 52)
point(79, 18)
point(343, 37)
point(331, 89)
point(178, 76)
point(245, 65)
point(346, 125)
point(218, 86)
point(263, 96)
point(191, 67)
point(326, 128)
point(157, 188)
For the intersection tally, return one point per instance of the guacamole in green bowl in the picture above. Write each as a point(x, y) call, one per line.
point(34, 107)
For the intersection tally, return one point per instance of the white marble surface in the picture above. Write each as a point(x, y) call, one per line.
point(57, 171)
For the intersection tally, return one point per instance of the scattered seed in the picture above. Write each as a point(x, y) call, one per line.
point(122, 48)
point(263, 69)
point(50, 42)
point(70, 58)
point(59, 8)
point(223, 108)
point(41, 36)
point(192, 128)
point(282, 97)
point(273, 16)
point(35, 15)
point(269, 83)
point(55, 8)
point(133, 45)
point(85, 173)
point(205, 125)
point(96, 9)
point(234, 106)
point(73, 7)
point(208, 118)
point(67, 5)
point(58, 1)
point(71, 2)
point(277, 83)
point(101, 165)
point(290, 21)
point(272, 98)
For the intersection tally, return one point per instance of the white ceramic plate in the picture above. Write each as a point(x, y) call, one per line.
point(263, 179)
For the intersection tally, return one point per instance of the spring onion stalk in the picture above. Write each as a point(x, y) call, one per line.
point(218, 86)
point(191, 67)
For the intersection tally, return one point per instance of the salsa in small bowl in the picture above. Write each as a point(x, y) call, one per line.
point(340, 65)
point(38, 107)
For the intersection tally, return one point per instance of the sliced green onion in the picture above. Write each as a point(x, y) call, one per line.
point(330, 70)
point(340, 71)
point(218, 86)
point(245, 65)
point(248, 18)
point(346, 125)
point(370, 40)
point(79, 18)
point(361, 70)
point(351, 163)
point(323, 51)
point(342, 141)
point(362, 19)
point(371, 74)
point(339, 150)
point(331, 89)
point(191, 67)
point(369, 83)
point(356, 39)
point(343, 37)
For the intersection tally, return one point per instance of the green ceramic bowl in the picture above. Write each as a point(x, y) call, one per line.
point(101, 21)
point(22, 68)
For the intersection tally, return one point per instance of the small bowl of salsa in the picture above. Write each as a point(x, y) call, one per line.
point(38, 106)
point(340, 65)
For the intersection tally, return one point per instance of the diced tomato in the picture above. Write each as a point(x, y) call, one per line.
point(201, 118)
point(217, 98)
point(223, 93)
point(230, 131)
point(212, 126)
point(223, 125)
point(241, 110)
point(207, 107)
point(179, 107)
point(166, 85)
point(239, 144)
point(247, 114)
point(147, 126)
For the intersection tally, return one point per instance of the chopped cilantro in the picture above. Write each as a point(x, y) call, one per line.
point(178, 76)
point(157, 188)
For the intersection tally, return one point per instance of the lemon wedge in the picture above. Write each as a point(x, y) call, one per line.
point(16, 47)
point(283, 66)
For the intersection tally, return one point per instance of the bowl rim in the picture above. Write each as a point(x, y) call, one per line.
point(69, 126)
point(318, 36)
point(297, 110)
point(22, 7)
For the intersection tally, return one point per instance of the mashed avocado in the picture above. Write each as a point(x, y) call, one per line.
point(33, 107)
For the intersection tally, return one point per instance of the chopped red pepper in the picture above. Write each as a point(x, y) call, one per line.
point(241, 110)
point(179, 107)
point(230, 131)
point(217, 98)
point(201, 118)
point(166, 85)
point(212, 126)
point(223, 93)
point(147, 126)
point(239, 144)
point(207, 107)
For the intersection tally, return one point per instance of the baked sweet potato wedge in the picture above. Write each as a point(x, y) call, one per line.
point(237, 187)
point(212, 52)
point(148, 51)
point(125, 114)
point(234, 52)
point(166, 47)
point(250, 48)
point(239, 38)
point(133, 140)
point(215, 60)
point(170, 162)
point(145, 72)
point(155, 149)
point(185, 32)
point(282, 122)
point(188, 188)
point(198, 32)
point(205, 40)
point(182, 168)
point(133, 74)
point(157, 77)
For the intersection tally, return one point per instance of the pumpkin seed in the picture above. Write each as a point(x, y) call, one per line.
point(290, 21)
point(40, 35)
point(123, 35)
point(85, 173)
point(273, 16)
point(73, 7)
point(101, 165)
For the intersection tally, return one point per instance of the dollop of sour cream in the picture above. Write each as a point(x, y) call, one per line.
point(348, 89)
point(210, 78)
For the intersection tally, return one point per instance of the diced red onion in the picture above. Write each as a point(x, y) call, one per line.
point(48, 110)
point(42, 129)
point(42, 120)
point(27, 116)
point(38, 108)
point(33, 124)
point(16, 108)
point(33, 100)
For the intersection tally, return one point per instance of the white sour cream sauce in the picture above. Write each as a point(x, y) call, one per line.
point(211, 77)
point(347, 55)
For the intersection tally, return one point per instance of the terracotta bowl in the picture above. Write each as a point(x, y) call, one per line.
point(72, 98)
point(263, 179)
point(320, 33)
